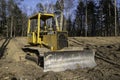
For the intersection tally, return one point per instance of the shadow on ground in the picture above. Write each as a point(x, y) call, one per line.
point(3, 47)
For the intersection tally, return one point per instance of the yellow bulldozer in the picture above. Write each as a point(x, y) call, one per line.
point(52, 46)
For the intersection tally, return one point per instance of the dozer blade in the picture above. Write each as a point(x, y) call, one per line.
point(62, 60)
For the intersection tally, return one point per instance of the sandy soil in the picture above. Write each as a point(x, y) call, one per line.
point(13, 65)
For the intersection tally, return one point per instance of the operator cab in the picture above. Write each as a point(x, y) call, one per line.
point(40, 24)
point(46, 22)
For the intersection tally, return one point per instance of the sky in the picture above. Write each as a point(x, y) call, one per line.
point(30, 5)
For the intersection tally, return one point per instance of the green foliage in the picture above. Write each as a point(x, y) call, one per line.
point(100, 18)
point(91, 18)
point(11, 18)
point(79, 20)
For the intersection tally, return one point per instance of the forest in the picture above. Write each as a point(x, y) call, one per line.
point(79, 41)
point(80, 17)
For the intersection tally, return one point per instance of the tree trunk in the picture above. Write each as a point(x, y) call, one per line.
point(86, 26)
point(115, 18)
point(56, 23)
point(14, 31)
point(22, 30)
point(11, 30)
point(6, 30)
point(61, 22)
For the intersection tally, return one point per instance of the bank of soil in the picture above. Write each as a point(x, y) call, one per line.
point(14, 66)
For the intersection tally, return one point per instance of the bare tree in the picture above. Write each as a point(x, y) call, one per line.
point(86, 26)
point(115, 18)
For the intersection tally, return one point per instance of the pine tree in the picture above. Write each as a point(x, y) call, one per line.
point(91, 18)
point(2, 17)
point(79, 20)
point(108, 17)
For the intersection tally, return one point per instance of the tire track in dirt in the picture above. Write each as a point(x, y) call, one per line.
point(107, 64)
point(103, 71)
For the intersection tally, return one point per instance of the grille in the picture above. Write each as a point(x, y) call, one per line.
point(62, 40)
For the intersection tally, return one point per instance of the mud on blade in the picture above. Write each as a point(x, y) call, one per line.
point(62, 60)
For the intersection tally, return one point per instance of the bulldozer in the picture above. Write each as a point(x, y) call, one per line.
point(51, 44)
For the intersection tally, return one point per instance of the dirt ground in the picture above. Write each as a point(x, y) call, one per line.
point(13, 65)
